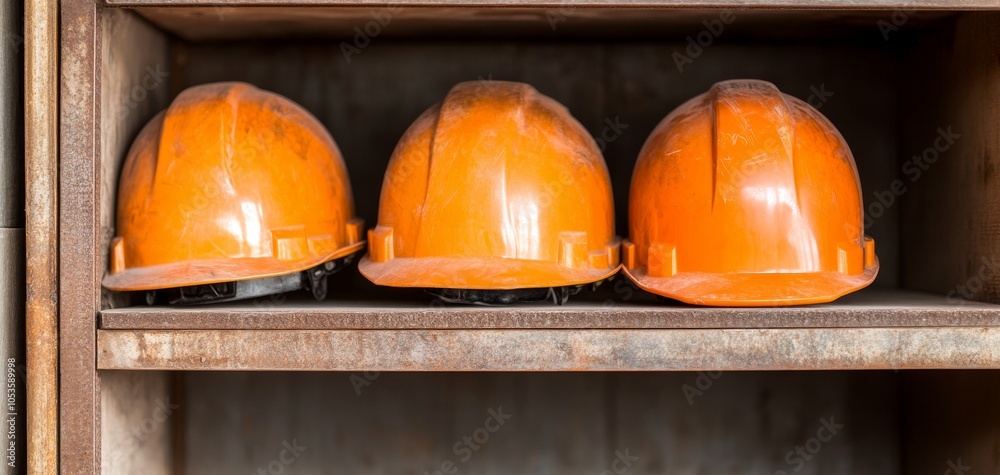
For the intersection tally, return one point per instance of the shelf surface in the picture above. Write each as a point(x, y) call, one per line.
point(871, 308)
point(868, 330)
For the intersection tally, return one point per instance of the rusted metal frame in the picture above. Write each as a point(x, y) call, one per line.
point(79, 289)
point(551, 350)
point(81, 297)
point(41, 91)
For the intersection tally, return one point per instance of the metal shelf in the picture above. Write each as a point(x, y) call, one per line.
point(871, 308)
point(871, 330)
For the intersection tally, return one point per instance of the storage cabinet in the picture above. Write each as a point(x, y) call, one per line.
point(377, 380)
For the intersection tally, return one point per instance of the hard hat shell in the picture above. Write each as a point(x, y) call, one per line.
point(497, 187)
point(744, 196)
point(230, 183)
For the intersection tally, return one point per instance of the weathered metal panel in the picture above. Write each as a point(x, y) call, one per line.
point(79, 303)
point(41, 174)
point(952, 154)
point(137, 417)
point(135, 77)
point(950, 422)
point(560, 423)
point(551, 350)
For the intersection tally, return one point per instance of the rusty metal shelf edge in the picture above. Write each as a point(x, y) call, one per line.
point(872, 308)
point(797, 4)
point(551, 350)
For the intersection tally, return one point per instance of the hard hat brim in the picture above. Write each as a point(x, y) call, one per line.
point(753, 289)
point(485, 273)
point(213, 271)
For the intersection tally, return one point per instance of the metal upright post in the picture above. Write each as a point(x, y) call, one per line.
point(41, 110)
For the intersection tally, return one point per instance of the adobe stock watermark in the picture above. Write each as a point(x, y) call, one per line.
point(484, 85)
point(469, 444)
point(702, 383)
point(363, 380)
point(613, 127)
point(138, 434)
point(558, 15)
point(894, 22)
point(363, 35)
point(912, 169)
point(288, 455)
point(967, 291)
point(612, 130)
point(818, 96)
point(801, 454)
point(141, 431)
point(566, 180)
point(154, 78)
point(270, 302)
point(210, 193)
point(220, 12)
point(696, 45)
point(621, 463)
point(13, 415)
point(623, 288)
point(957, 468)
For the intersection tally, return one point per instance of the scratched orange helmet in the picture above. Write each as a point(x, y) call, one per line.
point(232, 192)
point(745, 196)
point(496, 189)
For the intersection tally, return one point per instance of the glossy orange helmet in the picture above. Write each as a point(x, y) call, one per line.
point(232, 192)
point(497, 188)
point(745, 196)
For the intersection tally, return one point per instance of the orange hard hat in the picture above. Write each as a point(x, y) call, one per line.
point(744, 196)
point(497, 187)
point(230, 183)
